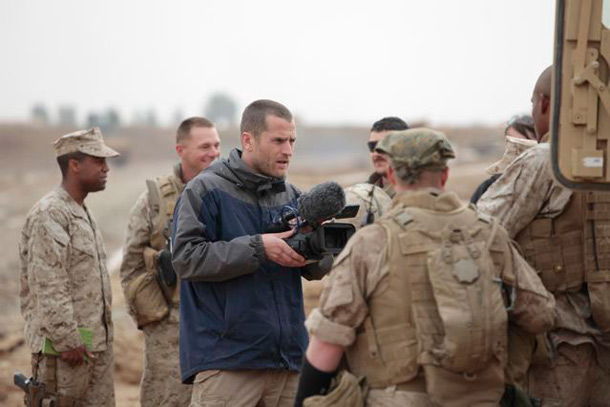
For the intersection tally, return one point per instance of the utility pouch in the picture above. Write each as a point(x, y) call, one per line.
point(542, 352)
point(469, 301)
point(145, 295)
point(598, 283)
point(346, 391)
point(470, 355)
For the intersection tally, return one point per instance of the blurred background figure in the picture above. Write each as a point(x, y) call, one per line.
point(520, 126)
point(378, 131)
point(372, 200)
point(519, 136)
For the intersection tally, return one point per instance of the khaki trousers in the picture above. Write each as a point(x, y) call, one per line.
point(244, 388)
point(575, 380)
point(90, 383)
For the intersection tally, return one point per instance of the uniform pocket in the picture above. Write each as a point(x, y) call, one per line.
point(209, 401)
point(205, 375)
point(84, 243)
point(598, 283)
point(202, 389)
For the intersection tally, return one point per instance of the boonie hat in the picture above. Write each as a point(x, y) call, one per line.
point(88, 142)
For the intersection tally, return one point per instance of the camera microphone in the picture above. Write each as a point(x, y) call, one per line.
point(321, 203)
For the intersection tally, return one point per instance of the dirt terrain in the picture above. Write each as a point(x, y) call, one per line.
point(28, 171)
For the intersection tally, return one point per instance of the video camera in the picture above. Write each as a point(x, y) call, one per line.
point(313, 238)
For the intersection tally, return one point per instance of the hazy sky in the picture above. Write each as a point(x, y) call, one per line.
point(332, 62)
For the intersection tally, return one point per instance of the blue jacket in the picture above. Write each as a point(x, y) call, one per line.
point(237, 309)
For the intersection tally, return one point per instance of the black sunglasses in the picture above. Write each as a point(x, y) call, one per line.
point(372, 145)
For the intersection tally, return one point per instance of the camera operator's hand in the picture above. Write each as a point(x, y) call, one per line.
point(76, 356)
point(277, 250)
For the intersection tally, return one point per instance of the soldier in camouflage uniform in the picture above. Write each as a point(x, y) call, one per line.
point(379, 130)
point(564, 235)
point(153, 301)
point(372, 201)
point(418, 291)
point(64, 281)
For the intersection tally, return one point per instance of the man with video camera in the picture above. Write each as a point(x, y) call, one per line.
point(242, 336)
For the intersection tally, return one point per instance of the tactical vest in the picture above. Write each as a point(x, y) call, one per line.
point(443, 309)
point(574, 248)
point(163, 193)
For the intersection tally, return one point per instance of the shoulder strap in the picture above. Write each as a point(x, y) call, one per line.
point(162, 194)
point(153, 195)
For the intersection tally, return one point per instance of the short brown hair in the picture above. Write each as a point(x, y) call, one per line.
point(253, 120)
point(184, 130)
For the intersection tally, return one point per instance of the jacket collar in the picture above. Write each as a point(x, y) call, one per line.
point(244, 177)
point(74, 208)
point(432, 199)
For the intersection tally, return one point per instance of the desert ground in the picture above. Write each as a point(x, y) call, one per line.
point(28, 171)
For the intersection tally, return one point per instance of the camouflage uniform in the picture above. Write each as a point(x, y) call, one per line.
point(65, 285)
point(578, 372)
point(161, 384)
point(514, 148)
point(370, 199)
point(378, 181)
point(360, 284)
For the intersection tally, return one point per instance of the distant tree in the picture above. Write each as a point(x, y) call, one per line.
point(66, 116)
point(95, 120)
point(150, 118)
point(108, 122)
point(221, 109)
point(40, 114)
point(113, 119)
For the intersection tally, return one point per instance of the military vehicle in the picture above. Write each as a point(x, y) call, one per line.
point(580, 102)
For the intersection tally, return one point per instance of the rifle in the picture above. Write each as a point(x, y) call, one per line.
point(35, 394)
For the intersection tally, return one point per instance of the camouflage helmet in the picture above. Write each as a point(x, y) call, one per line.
point(415, 150)
point(372, 200)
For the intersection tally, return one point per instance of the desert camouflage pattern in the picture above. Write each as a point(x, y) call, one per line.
point(90, 384)
point(527, 191)
point(576, 379)
point(367, 197)
point(524, 192)
point(161, 384)
point(344, 302)
point(138, 237)
point(416, 149)
point(514, 148)
point(379, 181)
point(64, 280)
point(90, 142)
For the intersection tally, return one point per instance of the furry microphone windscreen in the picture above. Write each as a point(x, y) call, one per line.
point(322, 202)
